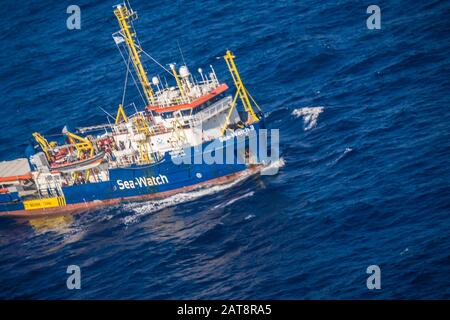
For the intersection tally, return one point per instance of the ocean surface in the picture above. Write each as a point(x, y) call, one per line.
point(364, 177)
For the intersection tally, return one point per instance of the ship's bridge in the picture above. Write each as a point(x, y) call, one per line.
point(189, 93)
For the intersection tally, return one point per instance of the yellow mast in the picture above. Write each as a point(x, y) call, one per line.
point(243, 94)
point(124, 17)
point(177, 79)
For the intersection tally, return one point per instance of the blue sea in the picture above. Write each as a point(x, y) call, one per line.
point(364, 177)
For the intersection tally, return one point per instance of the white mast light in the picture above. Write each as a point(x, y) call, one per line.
point(184, 72)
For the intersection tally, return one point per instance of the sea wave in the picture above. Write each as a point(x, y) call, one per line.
point(230, 202)
point(310, 116)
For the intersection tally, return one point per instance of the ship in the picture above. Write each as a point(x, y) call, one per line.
point(147, 154)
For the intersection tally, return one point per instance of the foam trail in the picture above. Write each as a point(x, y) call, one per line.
point(310, 116)
point(230, 202)
point(346, 151)
point(144, 208)
point(273, 165)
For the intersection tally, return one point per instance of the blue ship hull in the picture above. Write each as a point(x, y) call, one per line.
point(140, 182)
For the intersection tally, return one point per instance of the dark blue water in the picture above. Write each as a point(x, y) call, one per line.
point(366, 182)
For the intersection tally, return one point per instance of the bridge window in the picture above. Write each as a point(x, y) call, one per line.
point(209, 102)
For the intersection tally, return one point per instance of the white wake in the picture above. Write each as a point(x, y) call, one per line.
point(272, 168)
point(143, 208)
point(341, 156)
point(230, 202)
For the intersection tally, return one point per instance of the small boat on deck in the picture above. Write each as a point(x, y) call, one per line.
point(79, 165)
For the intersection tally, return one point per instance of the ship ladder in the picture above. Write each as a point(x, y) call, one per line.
point(178, 133)
point(143, 128)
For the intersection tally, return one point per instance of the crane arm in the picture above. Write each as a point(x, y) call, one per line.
point(44, 144)
point(81, 144)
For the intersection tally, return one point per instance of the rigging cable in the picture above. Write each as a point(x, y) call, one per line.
point(181, 52)
point(156, 61)
point(126, 80)
point(134, 80)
